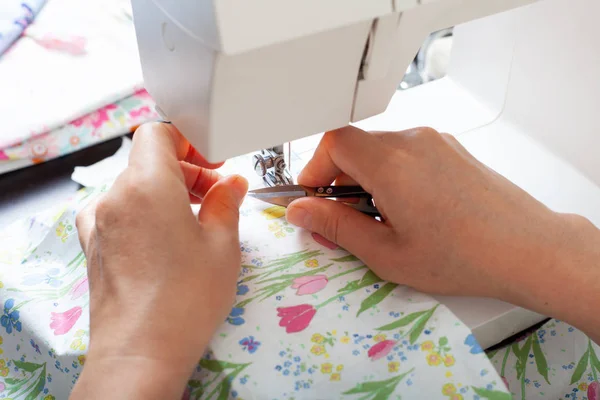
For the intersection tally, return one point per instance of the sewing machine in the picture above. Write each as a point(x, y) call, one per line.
point(522, 91)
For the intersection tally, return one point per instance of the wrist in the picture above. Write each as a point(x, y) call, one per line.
point(130, 378)
point(562, 279)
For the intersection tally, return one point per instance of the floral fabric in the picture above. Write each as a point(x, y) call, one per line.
point(555, 362)
point(77, 57)
point(15, 16)
point(309, 321)
point(98, 126)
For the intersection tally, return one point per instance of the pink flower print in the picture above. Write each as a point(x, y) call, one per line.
point(2, 387)
point(309, 284)
point(324, 242)
point(80, 288)
point(381, 349)
point(144, 113)
point(187, 394)
point(296, 318)
point(95, 119)
point(505, 382)
point(3, 156)
point(63, 322)
point(593, 392)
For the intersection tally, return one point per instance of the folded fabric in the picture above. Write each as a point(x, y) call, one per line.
point(106, 123)
point(77, 57)
point(15, 17)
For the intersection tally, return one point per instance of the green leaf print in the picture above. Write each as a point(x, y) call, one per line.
point(222, 384)
point(404, 321)
point(281, 264)
point(593, 357)
point(345, 259)
point(443, 341)
point(31, 385)
point(378, 390)
point(540, 360)
point(27, 366)
point(491, 394)
point(377, 297)
point(419, 326)
point(581, 367)
point(421, 318)
point(212, 365)
point(369, 278)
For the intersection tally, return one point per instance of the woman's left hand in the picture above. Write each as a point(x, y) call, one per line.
point(161, 280)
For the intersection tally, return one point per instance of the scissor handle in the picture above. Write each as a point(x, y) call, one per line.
point(365, 203)
point(340, 191)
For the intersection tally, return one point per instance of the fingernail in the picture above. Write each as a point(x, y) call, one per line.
point(299, 216)
point(240, 188)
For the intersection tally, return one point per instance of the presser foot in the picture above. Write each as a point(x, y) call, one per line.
point(271, 165)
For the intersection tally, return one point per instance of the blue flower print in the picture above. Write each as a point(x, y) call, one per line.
point(49, 278)
point(234, 317)
point(248, 343)
point(427, 331)
point(286, 372)
point(244, 380)
point(10, 319)
point(297, 359)
point(472, 343)
point(287, 364)
point(242, 290)
point(35, 346)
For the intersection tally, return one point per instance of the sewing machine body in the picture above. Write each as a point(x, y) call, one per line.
point(522, 91)
point(237, 77)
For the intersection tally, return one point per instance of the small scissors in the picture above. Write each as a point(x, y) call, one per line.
point(284, 195)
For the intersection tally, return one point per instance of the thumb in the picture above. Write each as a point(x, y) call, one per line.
point(220, 207)
point(356, 232)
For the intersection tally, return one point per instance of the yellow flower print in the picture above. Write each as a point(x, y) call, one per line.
point(449, 360)
point(345, 340)
point(335, 377)
point(312, 263)
point(583, 386)
point(317, 350)
point(448, 389)
point(448, 374)
point(78, 345)
point(326, 368)
point(317, 338)
point(279, 234)
point(274, 227)
point(393, 366)
point(1, 340)
point(1, 285)
point(81, 360)
point(427, 346)
point(334, 332)
point(3, 368)
point(434, 359)
point(49, 397)
point(456, 396)
point(274, 212)
point(339, 368)
point(380, 337)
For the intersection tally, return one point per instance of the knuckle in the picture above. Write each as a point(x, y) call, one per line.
point(106, 212)
point(423, 133)
point(331, 226)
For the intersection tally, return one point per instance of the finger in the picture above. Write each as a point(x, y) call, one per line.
point(162, 144)
point(85, 223)
point(356, 232)
point(344, 180)
point(198, 180)
point(220, 206)
point(349, 150)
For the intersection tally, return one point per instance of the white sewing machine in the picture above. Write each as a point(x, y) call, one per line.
point(522, 92)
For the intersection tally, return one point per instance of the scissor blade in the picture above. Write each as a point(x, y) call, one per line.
point(278, 195)
point(278, 191)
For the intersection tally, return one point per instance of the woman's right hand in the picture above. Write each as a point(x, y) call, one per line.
point(452, 225)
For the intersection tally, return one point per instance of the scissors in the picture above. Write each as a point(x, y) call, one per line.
point(285, 194)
